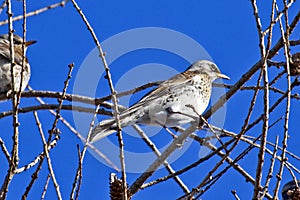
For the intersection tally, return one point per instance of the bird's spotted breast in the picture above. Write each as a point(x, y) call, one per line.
point(194, 93)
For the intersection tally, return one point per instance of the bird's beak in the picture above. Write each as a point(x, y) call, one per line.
point(222, 76)
point(28, 43)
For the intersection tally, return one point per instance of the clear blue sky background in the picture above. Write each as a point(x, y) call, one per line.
point(227, 31)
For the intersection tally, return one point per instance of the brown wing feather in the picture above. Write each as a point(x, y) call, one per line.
point(5, 53)
point(176, 81)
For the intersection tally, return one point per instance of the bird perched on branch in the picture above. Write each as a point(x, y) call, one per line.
point(174, 102)
point(291, 191)
point(5, 64)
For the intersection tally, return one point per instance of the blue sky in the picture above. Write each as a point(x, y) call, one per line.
point(227, 32)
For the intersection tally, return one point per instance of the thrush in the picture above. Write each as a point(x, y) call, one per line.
point(175, 102)
point(5, 64)
point(291, 191)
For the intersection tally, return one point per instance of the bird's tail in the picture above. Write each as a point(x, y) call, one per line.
point(109, 126)
point(103, 129)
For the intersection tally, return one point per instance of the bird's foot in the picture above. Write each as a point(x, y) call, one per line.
point(170, 132)
point(8, 93)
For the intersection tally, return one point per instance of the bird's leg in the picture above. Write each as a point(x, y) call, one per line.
point(9, 93)
point(167, 129)
point(177, 128)
point(207, 124)
point(213, 131)
point(170, 132)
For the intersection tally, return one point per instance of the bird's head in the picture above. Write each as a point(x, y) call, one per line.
point(208, 67)
point(18, 41)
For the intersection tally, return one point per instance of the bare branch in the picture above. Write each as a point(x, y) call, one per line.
point(5, 151)
point(51, 171)
point(45, 187)
point(156, 151)
point(13, 164)
point(285, 37)
point(36, 12)
point(154, 166)
point(113, 94)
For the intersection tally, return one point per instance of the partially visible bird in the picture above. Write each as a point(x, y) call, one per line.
point(174, 102)
point(291, 191)
point(5, 64)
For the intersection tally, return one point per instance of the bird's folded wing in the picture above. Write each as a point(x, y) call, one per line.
point(5, 53)
point(163, 90)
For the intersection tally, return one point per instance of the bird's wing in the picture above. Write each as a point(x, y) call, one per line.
point(5, 53)
point(163, 89)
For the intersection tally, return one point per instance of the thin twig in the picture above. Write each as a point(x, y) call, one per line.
point(293, 175)
point(60, 101)
point(233, 192)
point(274, 89)
point(277, 77)
point(193, 165)
point(55, 106)
point(285, 37)
point(5, 151)
point(161, 159)
point(82, 155)
point(38, 158)
point(80, 173)
point(34, 177)
point(223, 99)
point(51, 132)
point(24, 61)
point(279, 15)
point(73, 130)
point(244, 138)
point(45, 187)
point(45, 145)
point(271, 168)
point(233, 164)
point(264, 52)
point(36, 12)
point(205, 123)
point(3, 5)
point(114, 97)
point(153, 147)
point(79, 98)
point(256, 121)
point(13, 164)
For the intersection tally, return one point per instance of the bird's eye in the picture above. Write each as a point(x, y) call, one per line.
point(213, 67)
point(17, 41)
